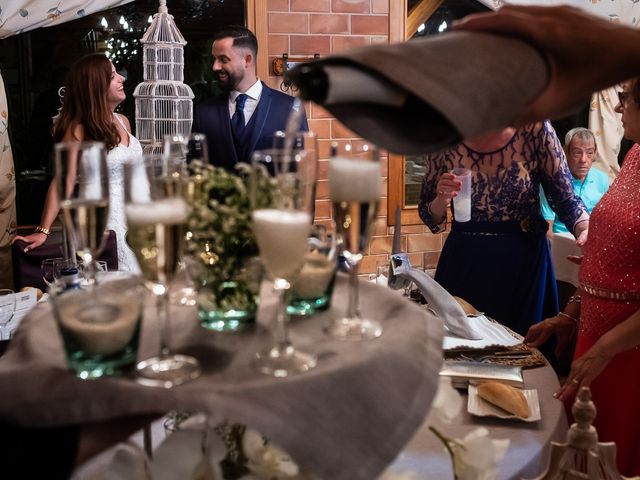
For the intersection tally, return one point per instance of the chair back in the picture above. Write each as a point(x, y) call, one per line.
point(26, 265)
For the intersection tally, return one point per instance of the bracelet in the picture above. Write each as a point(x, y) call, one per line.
point(41, 229)
point(574, 299)
point(575, 320)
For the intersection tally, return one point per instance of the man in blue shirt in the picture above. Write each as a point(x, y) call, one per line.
point(590, 184)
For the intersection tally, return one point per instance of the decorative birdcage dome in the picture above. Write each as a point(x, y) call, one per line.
point(164, 104)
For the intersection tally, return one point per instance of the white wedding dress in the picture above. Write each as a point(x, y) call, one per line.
point(117, 221)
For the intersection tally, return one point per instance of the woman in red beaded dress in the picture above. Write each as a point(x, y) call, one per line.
point(606, 309)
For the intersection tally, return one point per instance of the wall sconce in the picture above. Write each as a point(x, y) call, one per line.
point(281, 65)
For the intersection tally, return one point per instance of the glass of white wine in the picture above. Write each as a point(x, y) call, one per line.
point(354, 189)
point(156, 214)
point(82, 184)
point(186, 149)
point(281, 224)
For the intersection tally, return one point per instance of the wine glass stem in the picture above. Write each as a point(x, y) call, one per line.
point(353, 309)
point(90, 270)
point(281, 332)
point(162, 311)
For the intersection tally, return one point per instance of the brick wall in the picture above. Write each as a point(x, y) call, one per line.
point(306, 27)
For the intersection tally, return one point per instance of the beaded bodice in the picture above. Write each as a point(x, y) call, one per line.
point(612, 254)
point(505, 183)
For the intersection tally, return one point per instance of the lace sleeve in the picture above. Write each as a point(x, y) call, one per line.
point(434, 169)
point(556, 178)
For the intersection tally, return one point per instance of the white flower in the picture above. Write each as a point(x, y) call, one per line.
point(266, 461)
point(448, 402)
point(476, 456)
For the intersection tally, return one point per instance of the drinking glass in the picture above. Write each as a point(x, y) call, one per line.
point(187, 149)
point(156, 214)
point(462, 202)
point(47, 268)
point(281, 224)
point(312, 289)
point(7, 309)
point(82, 184)
point(354, 188)
point(99, 338)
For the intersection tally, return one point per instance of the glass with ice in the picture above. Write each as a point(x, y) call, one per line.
point(462, 201)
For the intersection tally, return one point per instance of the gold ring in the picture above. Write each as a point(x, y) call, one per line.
point(575, 381)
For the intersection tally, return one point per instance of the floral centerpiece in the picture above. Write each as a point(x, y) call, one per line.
point(221, 245)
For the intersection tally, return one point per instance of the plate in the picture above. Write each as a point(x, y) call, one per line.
point(481, 408)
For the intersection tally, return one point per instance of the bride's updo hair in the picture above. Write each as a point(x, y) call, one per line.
point(85, 102)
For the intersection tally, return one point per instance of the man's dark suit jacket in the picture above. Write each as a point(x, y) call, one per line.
point(212, 119)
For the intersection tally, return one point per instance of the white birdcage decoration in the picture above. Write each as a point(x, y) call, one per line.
point(164, 104)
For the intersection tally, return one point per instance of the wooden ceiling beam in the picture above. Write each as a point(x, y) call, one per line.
point(419, 14)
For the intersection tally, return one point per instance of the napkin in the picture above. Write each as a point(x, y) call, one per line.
point(562, 245)
point(426, 94)
point(442, 303)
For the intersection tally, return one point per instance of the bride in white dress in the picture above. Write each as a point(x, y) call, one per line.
point(93, 90)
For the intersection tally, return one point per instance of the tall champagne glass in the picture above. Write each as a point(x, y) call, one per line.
point(155, 218)
point(186, 149)
point(281, 224)
point(82, 183)
point(354, 188)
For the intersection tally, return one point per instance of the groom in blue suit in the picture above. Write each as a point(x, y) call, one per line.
point(245, 119)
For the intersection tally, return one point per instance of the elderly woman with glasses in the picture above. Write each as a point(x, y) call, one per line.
point(606, 311)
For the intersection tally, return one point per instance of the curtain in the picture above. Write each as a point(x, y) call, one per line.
point(606, 125)
point(17, 16)
point(7, 192)
point(626, 11)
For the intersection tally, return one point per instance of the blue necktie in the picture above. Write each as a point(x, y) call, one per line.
point(237, 121)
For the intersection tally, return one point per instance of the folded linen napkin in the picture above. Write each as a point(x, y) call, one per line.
point(426, 94)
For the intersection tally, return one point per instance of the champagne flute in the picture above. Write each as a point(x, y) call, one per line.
point(354, 188)
point(7, 309)
point(185, 149)
point(156, 216)
point(281, 224)
point(82, 183)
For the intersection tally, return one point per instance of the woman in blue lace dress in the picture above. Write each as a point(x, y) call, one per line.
point(500, 261)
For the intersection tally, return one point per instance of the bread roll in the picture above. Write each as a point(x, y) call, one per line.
point(504, 396)
point(38, 292)
point(466, 306)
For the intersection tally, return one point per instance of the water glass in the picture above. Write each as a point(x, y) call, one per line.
point(47, 268)
point(313, 286)
point(462, 201)
point(100, 338)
